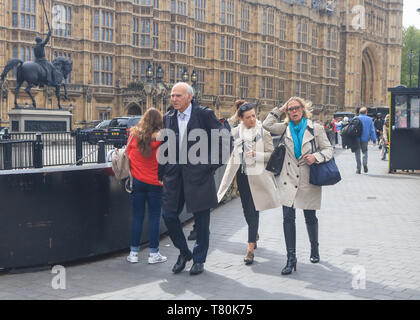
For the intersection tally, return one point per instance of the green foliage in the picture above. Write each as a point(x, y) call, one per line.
point(411, 41)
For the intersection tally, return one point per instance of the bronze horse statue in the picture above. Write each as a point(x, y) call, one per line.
point(35, 75)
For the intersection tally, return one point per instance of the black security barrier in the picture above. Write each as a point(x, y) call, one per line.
point(62, 215)
point(57, 215)
point(404, 129)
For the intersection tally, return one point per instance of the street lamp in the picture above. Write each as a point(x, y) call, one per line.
point(194, 77)
point(149, 73)
point(159, 74)
point(185, 75)
point(411, 56)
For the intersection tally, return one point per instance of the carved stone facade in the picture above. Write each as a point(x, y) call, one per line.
point(264, 51)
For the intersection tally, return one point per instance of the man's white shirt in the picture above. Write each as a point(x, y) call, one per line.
point(183, 118)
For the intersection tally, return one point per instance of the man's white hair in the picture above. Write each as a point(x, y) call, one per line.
point(190, 90)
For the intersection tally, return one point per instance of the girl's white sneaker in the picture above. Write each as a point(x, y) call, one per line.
point(156, 258)
point(133, 257)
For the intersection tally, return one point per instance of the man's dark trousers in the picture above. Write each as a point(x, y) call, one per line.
point(202, 223)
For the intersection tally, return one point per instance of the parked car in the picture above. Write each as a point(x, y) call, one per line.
point(94, 134)
point(2, 132)
point(118, 130)
point(341, 114)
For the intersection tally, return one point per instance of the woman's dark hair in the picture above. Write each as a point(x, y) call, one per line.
point(150, 123)
point(244, 108)
point(237, 104)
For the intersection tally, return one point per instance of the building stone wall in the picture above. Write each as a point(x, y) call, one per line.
point(272, 50)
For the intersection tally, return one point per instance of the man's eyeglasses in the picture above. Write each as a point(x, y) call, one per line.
point(247, 106)
point(291, 109)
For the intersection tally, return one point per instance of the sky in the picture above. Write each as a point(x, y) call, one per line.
point(411, 17)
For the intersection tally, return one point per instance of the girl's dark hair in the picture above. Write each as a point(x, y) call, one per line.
point(244, 108)
point(150, 123)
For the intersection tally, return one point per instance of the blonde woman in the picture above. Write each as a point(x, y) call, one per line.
point(257, 187)
point(294, 187)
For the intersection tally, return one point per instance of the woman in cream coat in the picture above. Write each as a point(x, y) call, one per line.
point(295, 189)
point(257, 186)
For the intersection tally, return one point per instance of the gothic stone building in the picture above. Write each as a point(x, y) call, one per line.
point(339, 54)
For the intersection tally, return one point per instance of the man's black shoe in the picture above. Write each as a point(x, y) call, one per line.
point(365, 169)
point(180, 264)
point(193, 235)
point(358, 171)
point(197, 268)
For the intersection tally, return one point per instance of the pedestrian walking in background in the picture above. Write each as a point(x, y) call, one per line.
point(344, 137)
point(257, 188)
point(339, 124)
point(141, 151)
point(329, 130)
point(295, 189)
point(379, 124)
point(385, 138)
point(188, 183)
point(368, 133)
point(334, 125)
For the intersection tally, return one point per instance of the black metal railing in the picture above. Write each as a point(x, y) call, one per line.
point(16, 154)
point(37, 150)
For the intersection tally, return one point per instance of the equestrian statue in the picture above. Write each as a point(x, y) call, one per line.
point(41, 72)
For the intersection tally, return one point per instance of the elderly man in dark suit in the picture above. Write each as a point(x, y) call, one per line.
point(188, 182)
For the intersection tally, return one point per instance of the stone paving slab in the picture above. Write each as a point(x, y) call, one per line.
point(369, 245)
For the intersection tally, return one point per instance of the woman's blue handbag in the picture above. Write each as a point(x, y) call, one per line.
point(325, 173)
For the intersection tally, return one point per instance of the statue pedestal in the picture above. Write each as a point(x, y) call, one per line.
point(39, 120)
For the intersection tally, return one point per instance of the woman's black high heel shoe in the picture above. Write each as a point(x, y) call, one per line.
point(290, 237)
point(291, 264)
point(313, 238)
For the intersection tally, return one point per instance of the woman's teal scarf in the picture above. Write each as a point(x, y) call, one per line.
point(297, 131)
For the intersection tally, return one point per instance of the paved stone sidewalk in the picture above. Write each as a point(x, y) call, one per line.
point(369, 247)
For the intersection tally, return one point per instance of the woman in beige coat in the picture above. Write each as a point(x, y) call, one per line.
point(257, 186)
point(295, 189)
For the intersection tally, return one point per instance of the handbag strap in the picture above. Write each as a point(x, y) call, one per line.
point(283, 132)
point(313, 142)
point(129, 140)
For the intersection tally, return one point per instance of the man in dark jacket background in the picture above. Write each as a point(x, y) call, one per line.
point(185, 182)
point(378, 124)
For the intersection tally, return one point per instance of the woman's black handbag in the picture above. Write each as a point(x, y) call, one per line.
point(275, 163)
point(325, 173)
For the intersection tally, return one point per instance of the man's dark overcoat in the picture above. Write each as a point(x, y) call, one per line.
point(197, 180)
